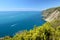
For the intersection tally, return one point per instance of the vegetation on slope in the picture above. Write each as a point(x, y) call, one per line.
point(44, 32)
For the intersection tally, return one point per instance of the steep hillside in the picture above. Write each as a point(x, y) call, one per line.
point(51, 14)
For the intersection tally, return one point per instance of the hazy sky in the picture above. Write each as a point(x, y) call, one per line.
point(24, 5)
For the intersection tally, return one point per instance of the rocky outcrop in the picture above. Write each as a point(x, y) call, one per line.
point(51, 14)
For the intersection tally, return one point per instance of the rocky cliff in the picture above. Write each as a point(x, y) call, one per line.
point(51, 14)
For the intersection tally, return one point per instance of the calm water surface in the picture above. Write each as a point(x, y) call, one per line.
point(14, 21)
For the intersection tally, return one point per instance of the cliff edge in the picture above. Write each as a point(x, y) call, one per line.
point(51, 14)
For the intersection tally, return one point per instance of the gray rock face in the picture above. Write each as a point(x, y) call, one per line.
point(51, 14)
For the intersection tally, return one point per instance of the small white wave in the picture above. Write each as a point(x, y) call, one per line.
point(13, 25)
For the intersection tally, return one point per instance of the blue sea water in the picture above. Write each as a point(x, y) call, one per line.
point(15, 21)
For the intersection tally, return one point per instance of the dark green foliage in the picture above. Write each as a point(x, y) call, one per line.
point(38, 38)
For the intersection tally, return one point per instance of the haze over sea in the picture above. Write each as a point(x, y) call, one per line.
point(15, 21)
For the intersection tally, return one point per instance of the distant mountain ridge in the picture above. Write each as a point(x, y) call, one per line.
point(51, 14)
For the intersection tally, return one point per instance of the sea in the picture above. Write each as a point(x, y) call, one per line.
point(12, 22)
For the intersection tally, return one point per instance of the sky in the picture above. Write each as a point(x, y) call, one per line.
point(27, 5)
